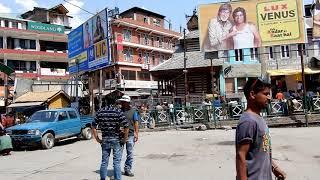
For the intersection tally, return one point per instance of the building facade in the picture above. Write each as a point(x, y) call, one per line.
point(139, 41)
point(35, 46)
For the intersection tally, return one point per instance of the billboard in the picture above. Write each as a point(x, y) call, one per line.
point(88, 45)
point(248, 24)
point(316, 20)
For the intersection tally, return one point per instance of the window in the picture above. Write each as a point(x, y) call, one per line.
point(15, 25)
point(146, 58)
point(254, 54)
point(144, 75)
point(6, 23)
point(140, 57)
point(238, 54)
point(153, 59)
point(160, 42)
point(161, 58)
point(145, 19)
point(285, 51)
point(33, 65)
point(139, 38)
point(17, 65)
point(128, 55)
point(129, 75)
point(152, 41)
point(156, 22)
point(241, 83)
point(146, 39)
point(1, 42)
point(271, 53)
point(32, 44)
point(62, 116)
point(22, 43)
point(72, 115)
point(170, 44)
point(127, 35)
point(304, 50)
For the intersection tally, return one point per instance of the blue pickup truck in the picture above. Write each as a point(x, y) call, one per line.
point(48, 126)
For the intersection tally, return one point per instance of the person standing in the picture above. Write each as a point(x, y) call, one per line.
point(132, 116)
point(253, 141)
point(110, 120)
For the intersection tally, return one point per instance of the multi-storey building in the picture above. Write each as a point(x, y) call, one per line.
point(139, 41)
point(35, 45)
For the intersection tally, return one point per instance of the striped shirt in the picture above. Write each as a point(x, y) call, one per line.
point(109, 120)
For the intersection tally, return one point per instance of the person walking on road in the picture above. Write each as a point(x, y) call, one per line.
point(132, 116)
point(253, 141)
point(110, 120)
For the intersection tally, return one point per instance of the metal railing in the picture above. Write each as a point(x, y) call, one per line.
point(225, 112)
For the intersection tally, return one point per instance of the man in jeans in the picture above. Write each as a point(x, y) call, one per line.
point(109, 120)
point(133, 119)
point(253, 141)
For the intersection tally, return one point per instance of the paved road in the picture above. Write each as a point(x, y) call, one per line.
point(169, 155)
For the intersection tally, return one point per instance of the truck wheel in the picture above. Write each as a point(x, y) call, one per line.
point(47, 141)
point(86, 133)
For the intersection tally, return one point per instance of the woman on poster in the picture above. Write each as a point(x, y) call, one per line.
point(87, 40)
point(243, 34)
point(99, 33)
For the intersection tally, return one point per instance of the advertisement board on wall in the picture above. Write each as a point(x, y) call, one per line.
point(88, 45)
point(316, 20)
point(252, 23)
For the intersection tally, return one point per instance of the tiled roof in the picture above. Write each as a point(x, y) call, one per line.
point(194, 60)
point(37, 96)
point(137, 23)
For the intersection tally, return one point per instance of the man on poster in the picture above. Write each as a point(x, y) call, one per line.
point(219, 28)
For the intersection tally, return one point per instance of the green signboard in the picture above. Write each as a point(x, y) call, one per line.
point(52, 28)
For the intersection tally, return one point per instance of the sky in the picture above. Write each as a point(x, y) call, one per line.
point(174, 10)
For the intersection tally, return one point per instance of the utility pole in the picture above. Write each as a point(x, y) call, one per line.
point(303, 85)
point(185, 71)
point(77, 85)
point(100, 89)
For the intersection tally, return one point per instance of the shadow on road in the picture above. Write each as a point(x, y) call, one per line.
point(109, 172)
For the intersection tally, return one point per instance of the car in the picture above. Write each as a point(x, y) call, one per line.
point(46, 127)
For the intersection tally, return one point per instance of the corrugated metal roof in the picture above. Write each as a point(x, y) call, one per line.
point(37, 96)
point(14, 105)
point(194, 60)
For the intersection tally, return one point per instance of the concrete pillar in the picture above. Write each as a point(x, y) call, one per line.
point(38, 45)
point(2, 24)
point(10, 24)
point(222, 84)
point(4, 42)
point(19, 25)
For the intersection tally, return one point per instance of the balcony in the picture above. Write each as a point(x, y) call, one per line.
point(15, 54)
point(146, 47)
point(139, 84)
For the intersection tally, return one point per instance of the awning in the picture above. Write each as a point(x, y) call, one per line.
point(27, 104)
point(279, 72)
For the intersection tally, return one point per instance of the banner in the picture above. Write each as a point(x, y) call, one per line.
point(88, 45)
point(316, 20)
point(252, 23)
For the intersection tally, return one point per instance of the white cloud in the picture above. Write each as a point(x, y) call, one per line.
point(4, 9)
point(27, 4)
point(74, 12)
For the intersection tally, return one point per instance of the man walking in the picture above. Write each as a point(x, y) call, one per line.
point(253, 141)
point(109, 120)
point(133, 119)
